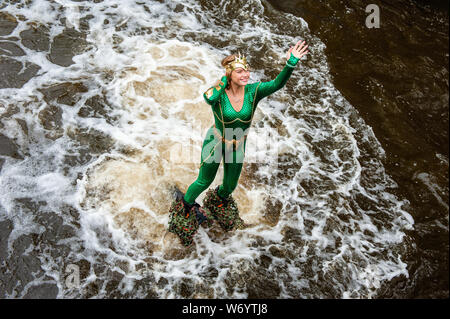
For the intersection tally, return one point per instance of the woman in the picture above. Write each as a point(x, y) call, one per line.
point(233, 102)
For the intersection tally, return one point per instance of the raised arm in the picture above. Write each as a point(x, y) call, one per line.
point(212, 95)
point(293, 55)
point(267, 88)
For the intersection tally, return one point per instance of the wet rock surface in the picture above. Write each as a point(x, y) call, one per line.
point(64, 93)
point(8, 148)
point(10, 48)
point(14, 74)
point(65, 46)
point(43, 291)
point(96, 106)
point(7, 23)
point(36, 38)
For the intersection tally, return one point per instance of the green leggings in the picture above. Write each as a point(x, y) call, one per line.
point(213, 152)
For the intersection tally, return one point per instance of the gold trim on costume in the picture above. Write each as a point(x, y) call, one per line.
point(210, 153)
point(209, 93)
point(230, 143)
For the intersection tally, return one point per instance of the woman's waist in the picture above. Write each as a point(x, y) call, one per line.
point(231, 126)
point(230, 134)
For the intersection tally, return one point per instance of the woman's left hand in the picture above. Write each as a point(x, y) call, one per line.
point(298, 50)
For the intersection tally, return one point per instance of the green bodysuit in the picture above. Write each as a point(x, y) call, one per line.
point(226, 139)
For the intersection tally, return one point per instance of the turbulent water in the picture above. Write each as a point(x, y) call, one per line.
point(101, 114)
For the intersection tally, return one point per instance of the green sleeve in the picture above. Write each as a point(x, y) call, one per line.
point(267, 88)
point(212, 95)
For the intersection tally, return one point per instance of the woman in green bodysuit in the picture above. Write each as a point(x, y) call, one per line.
point(233, 103)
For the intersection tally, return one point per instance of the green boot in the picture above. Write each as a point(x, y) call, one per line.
point(224, 210)
point(185, 219)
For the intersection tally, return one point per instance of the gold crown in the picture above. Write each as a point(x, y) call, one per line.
point(238, 62)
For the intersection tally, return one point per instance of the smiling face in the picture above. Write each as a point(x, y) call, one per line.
point(240, 76)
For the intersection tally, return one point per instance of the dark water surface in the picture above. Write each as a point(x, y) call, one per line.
point(397, 78)
point(92, 93)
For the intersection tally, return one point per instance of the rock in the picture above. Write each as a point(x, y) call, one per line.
point(65, 46)
point(259, 288)
point(9, 72)
point(6, 227)
point(51, 117)
point(265, 261)
point(36, 38)
point(8, 148)
point(186, 288)
point(11, 49)
point(42, 291)
point(162, 282)
point(95, 106)
point(112, 286)
point(7, 23)
point(64, 93)
point(272, 213)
